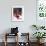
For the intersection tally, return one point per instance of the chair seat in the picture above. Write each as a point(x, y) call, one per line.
point(10, 34)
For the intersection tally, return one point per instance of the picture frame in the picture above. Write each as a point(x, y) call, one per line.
point(17, 13)
point(41, 12)
point(41, 9)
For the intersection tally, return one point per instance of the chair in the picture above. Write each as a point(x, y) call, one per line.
point(26, 37)
point(8, 35)
point(14, 32)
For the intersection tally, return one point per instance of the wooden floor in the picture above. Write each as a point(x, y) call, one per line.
point(13, 44)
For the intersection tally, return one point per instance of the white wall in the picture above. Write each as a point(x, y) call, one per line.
point(29, 15)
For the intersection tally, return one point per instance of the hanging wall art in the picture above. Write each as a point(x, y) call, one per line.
point(17, 13)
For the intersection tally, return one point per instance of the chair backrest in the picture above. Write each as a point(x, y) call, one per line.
point(14, 30)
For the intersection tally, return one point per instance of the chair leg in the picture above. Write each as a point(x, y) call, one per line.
point(5, 43)
point(5, 40)
point(17, 40)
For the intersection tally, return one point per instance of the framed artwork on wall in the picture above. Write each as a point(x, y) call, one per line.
point(17, 13)
point(41, 9)
point(41, 12)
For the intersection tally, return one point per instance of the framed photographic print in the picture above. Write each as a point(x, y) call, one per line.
point(41, 12)
point(41, 9)
point(17, 13)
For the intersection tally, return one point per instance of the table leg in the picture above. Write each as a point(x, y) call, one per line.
point(5, 40)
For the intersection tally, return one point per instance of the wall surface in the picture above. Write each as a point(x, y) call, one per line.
point(29, 15)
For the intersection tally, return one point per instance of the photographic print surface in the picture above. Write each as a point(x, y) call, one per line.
point(18, 13)
point(41, 12)
point(41, 9)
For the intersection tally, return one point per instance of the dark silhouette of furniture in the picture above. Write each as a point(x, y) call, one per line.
point(14, 30)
